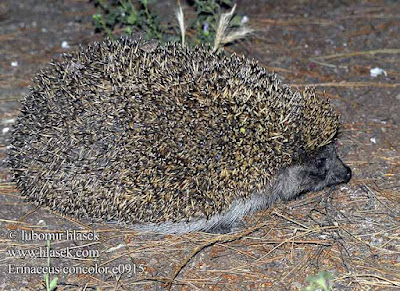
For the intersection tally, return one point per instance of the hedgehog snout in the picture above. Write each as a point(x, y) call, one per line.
point(347, 174)
point(342, 173)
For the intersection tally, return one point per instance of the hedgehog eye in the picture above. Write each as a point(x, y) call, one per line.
point(321, 163)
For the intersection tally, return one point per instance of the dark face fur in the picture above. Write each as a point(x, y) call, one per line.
point(313, 173)
point(325, 169)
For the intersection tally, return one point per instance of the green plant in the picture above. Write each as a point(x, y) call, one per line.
point(50, 285)
point(139, 15)
point(207, 15)
point(127, 14)
point(321, 281)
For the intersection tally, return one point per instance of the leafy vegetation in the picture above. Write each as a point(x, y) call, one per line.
point(50, 284)
point(140, 16)
point(321, 281)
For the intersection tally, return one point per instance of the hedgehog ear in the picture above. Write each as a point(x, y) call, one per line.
point(302, 155)
point(330, 147)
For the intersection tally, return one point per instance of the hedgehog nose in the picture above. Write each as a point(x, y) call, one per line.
point(348, 174)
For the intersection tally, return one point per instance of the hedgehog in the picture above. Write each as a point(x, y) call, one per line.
point(168, 138)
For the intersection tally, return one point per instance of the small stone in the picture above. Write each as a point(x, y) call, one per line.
point(65, 45)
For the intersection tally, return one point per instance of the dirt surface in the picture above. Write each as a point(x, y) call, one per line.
point(352, 232)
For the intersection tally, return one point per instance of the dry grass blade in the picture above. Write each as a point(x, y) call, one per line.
point(181, 21)
point(222, 27)
point(383, 282)
point(363, 53)
point(348, 84)
point(222, 36)
point(237, 34)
